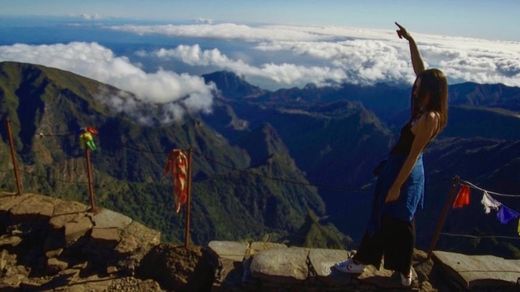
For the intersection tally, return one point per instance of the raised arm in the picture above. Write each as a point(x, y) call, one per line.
point(417, 62)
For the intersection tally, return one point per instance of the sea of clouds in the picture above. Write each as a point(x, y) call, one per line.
point(360, 56)
point(342, 54)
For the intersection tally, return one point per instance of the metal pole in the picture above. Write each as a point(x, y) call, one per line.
point(92, 199)
point(187, 235)
point(19, 186)
point(444, 213)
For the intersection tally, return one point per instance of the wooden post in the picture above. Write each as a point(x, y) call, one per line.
point(91, 198)
point(444, 213)
point(19, 186)
point(187, 234)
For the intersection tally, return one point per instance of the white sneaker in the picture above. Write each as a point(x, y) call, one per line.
point(349, 266)
point(406, 280)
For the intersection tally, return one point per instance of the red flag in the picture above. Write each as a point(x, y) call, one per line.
point(462, 198)
point(177, 165)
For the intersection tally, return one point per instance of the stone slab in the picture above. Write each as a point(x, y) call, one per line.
point(322, 260)
point(479, 271)
point(281, 264)
point(232, 250)
point(58, 222)
point(34, 206)
point(258, 246)
point(106, 235)
point(75, 229)
point(68, 208)
point(9, 240)
point(110, 219)
point(7, 201)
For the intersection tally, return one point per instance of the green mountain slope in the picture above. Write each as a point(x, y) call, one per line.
point(233, 198)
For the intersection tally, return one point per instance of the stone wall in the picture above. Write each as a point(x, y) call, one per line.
point(52, 244)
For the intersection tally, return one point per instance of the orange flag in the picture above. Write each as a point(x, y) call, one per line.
point(462, 198)
point(177, 166)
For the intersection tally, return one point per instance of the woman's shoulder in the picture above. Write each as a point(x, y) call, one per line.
point(428, 119)
point(427, 116)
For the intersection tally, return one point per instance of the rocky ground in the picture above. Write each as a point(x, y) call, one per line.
point(51, 244)
point(47, 244)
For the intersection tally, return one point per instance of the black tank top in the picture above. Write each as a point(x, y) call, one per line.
point(404, 144)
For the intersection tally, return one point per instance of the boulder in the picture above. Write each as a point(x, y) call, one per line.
point(137, 236)
point(229, 255)
point(287, 265)
point(9, 240)
point(136, 241)
point(75, 229)
point(58, 222)
point(258, 246)
point(479, 271)
point(179, 269)
point(110, 219)
point(106, 236)
point(232, 250)
point(66, 211)
point(7, 201)
point(128, 244)
point(55, 265)
point(68, 208)
point(322, 260)
point(35, 207)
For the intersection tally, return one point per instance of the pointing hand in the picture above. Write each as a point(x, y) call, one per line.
point(402, 33)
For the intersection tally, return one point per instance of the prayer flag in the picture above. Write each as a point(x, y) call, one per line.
point(177, 165)
point(86, 138)
point(505, 214)
point(462, 198)
point(489, 203)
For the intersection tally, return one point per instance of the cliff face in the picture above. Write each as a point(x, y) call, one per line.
point(52, 244)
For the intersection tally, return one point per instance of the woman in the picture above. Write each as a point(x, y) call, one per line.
point(400, 185)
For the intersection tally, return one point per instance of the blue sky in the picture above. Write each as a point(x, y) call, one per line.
point(477, 18)
point(158, 49)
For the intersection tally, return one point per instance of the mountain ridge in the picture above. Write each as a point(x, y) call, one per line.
point(128, 164)
point(326, 150)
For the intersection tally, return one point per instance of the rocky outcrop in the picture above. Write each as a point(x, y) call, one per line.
point(48, 243)
point(178, 268)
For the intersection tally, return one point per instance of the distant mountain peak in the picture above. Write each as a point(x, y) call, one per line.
point(232, 86)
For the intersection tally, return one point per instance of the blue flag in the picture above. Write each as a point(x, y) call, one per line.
point(505, 214)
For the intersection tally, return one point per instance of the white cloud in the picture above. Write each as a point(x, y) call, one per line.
point(90, 16)
point(225, 31)
point(286, 74)
point(202, 20)
point(364, 61)
point(97, 62)
point(367, 55)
